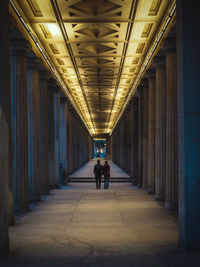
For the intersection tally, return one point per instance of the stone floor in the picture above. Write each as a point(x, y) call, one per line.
point(81, 226)
point(88, 170)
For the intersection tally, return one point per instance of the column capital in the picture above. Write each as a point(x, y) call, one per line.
point(169, 45)
point(142, 86)
point(158, 61)
point(136, 94)
point(144, 83)
point(33, 63)
point(19, 47)
point(63, 99)
point(52, 84)
point(140, 89)
point(44, 74)
point(71, 108)
point(150, 74)
point(57, 88)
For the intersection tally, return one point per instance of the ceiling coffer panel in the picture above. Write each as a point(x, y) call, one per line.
point(97, 47)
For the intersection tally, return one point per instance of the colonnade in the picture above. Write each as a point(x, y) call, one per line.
point(125, 141)
point(164, 145)
point(79, 143)
point(49, 140)
point(145, 139)
point(42, 139)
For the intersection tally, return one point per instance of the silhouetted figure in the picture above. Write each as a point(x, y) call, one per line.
point(106, 172)
point(98, 172)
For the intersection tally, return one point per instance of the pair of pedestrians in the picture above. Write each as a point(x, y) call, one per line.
point(98, 171)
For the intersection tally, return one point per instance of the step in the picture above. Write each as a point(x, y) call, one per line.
point(92, 180)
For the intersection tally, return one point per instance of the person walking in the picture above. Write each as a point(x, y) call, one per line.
point(98, 172)
point(106, 172)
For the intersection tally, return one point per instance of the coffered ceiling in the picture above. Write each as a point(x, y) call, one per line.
point(97, 47)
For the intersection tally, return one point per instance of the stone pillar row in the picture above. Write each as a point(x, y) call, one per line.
point(49, 141)
point(144, 142)
point(158, 152)
point(41, 139)
point(125, 141)
point(35, 128)
point(79, 142)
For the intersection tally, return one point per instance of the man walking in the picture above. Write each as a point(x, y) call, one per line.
point(106, 172)
point(98, 172)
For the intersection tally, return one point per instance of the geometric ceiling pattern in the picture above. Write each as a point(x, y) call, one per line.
point(97, 47)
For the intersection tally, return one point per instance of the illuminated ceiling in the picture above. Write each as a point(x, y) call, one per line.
point(97, 48)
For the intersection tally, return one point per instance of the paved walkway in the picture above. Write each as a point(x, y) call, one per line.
point(80, 226)
point(88, 170)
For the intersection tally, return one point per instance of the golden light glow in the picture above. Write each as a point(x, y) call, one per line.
point(54, 29)
point(97, 55)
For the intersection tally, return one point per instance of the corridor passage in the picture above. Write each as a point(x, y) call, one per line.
point(88, 170)
point(80, 226)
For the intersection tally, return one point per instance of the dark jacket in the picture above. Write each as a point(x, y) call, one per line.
point(106, 170)
point(98, 170)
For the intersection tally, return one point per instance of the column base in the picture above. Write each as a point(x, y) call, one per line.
point(144, 188)
point(189, 245)
point(20, 208)
point(34, 199)
point(11, 220)
point(4, 249)
point(55, 186)
point(134, 181)
point(170, 206)
point(159, 197)
point(46, 191)
point(11, 210)
point(150, 191)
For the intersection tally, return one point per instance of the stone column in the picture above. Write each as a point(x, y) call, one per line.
point(108, 147)
point(121, 144)
point(160, 128)
point(144, 84)
point(128, 142)
point(57, 135)
point(33, 129)
point(135, 141)
point(150, 74)
point(43, 94)
point(19, 50)
point(171, 194)
point(188, 69)
point(91, 147)
point(5, 126)
point(74, 142)
point(63, 140)
point(51, 133)
point(69, 140)
point(131, 125)
point(140, 110)
point(124, 136)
